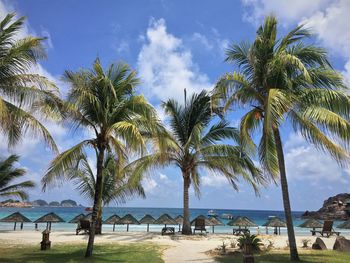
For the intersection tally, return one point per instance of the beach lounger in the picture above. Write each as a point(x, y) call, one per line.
point(199, 225)
point(83, 225)
point(168, 230)
point(327, 229)
point(240, 231)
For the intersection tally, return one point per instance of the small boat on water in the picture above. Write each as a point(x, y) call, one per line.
point(88, 209)
point(227, 216)
point(212, 213)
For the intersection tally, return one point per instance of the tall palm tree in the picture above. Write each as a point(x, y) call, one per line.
point(23, 94)
point(105, 103)
point(193, 144)
point(282, 80)
point(8, 173)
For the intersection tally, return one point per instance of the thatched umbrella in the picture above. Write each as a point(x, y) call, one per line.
point(77, 218)
point(49, 219)
point(242, 221)
point(180, 220)
point(275, 222)
point(345, 225)
point(14, 218)
point(213, 221)
point(207, 222)
point(311, 223)
point(112, 220)
point(147, 219)
point(128, 220)
point(165, 219)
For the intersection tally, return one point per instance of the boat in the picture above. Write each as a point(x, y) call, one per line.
point(227, 216)
point(88, 209)
point(211, 213)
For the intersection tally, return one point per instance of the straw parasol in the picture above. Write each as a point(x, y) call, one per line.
point(77, 218)
point(345, 225)
point(165, 219)
point(242, 221)
point(275, 222)
point(207, 222)
point(112, 220)
point(147, 219)
point(213, 221)
point(49, 219)
point(180, 220)
point(311, 223)
point(14, 218)
point(128, 220)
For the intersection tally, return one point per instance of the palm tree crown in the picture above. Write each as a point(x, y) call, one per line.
point(8, 173)
point(22, 93)
point(192, 144)
point(286, 80)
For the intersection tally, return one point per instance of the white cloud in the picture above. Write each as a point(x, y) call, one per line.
point(166, 67)
point(289, 11)
point(213, 180)
point(305, 162)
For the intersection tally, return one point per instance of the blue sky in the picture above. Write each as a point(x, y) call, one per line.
point(176, 45)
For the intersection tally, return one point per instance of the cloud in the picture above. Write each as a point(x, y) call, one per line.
point(166, 66)
point(289, 11)
point(305, 163)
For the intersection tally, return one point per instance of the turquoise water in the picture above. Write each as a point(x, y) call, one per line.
point(67, 213)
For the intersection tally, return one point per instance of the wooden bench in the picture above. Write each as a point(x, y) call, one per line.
point(168, 230)
point(199, 225)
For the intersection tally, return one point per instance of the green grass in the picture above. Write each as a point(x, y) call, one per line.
point(283, 257)
point(75, 253)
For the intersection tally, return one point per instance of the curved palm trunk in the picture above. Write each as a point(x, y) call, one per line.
point(97, 201)
point(186, 227)
point(285, 194)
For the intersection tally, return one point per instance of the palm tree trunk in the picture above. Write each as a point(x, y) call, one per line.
point(285, 194)
point(97, 200)
point(186, 227)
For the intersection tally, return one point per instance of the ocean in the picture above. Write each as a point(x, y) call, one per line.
point(67, 213)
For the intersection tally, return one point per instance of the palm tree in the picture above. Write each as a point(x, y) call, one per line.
point(286, 80)
point(22, 93)
point(116, 187)
point(8, 173)
point(105, 103)
point(192, 144)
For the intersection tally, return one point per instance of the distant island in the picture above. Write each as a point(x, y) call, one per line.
point(334, 208)
point(39, 202)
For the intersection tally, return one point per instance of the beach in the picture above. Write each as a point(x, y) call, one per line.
point(177, 248)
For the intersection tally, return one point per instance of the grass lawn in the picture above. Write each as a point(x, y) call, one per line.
point(75, 253)
point(305, 256)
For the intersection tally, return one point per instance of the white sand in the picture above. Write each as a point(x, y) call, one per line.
point(178, 248)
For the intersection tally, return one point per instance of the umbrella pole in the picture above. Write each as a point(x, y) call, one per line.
point(213, 229)
point(36, 226)
point(113, 227)
point(50, 226)
point(179, 227)
point(147, 227)
point(21, 225)
point(47, 225)
point(127, 227)
point(14, 228)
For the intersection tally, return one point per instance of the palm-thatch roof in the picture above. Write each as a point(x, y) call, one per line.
point(242, 221)
point(215, 222)
point(207, 222)
point(128, 219)
point(165, 219)
point(345, 225)
point(77, 218)
point(275, 222)
point(179, 219)
point(112, 220)
point(15, 217)
point(50, 217)
point(311, 223)
point(147, 219)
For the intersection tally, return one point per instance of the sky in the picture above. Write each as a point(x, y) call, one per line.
point(175, 45)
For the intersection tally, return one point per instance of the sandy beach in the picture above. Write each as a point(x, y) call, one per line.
point(177, 248)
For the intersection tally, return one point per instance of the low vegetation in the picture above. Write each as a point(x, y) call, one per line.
point(72, 254)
